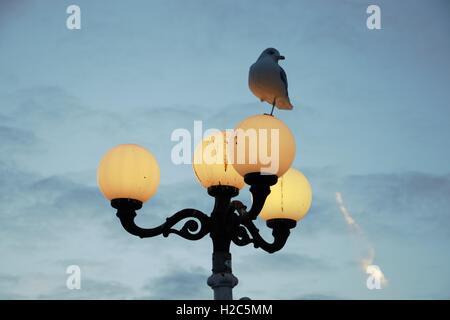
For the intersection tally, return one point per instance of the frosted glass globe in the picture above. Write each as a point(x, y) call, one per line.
point(289, 198)
point(128, 171)
point(264, 144)
point(211, 164)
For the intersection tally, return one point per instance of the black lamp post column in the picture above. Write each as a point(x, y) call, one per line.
point(222, 281)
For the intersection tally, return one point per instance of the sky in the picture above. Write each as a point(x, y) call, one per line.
point(371, 121)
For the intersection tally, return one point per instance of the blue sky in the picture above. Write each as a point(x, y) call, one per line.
point(371, 121)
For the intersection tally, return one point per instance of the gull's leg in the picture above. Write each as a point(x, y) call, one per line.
point(273, 106)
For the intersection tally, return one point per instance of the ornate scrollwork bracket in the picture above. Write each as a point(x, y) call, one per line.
point(229, 221)
point(246, 231)
point(193, 229)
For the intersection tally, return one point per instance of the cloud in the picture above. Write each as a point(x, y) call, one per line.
point(92, 289)
point(15, 142)
point(7, 282)
point(48, 287)
point(180, 284)
point(411, 203)
point(284, 261)
point(10, 9)
point(408, 203)
point(62, 133)
point(49, 222)
point(28, 192)
point(15, 136)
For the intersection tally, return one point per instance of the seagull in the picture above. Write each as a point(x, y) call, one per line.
point(268, 81)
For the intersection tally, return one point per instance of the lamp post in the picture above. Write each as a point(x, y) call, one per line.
point(128, 175)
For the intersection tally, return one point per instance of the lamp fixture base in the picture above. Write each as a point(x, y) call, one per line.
point(229, 191)
point(280, 223)
point(257, 178)
point(125, 203)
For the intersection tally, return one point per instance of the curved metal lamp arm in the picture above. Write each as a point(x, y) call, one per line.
point(191, 230)
point(281, 231)
point(260, 188)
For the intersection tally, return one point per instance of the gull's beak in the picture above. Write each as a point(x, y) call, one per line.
point(281, 58)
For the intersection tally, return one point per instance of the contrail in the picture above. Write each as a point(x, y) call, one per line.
point(354, 226)
point(347, 216)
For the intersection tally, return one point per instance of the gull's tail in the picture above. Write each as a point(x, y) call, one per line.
point(284, 103)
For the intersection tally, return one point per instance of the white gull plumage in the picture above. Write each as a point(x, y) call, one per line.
point(268, 81)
